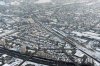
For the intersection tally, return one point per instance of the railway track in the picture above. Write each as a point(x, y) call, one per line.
point(49, 61)
point(35, 59)
point(67, 39)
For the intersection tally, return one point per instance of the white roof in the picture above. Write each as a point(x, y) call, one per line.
point(0, 63)
point(78, 33)
point(79, 53)
point(28, 62)
point(6, 65)
point(90, 33)
point(95, 37)
point(4, 55)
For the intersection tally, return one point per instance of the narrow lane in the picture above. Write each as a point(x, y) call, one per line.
point(69, 40)
point(35, 59)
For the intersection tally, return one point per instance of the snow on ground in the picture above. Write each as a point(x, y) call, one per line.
point(4, 55)
point(81, 40)
point(43, 1)
point(79, 53)
point(97, 55)
point(2, 3)
point(94, 54)
point(6, 32)
point(56, 39)
point(76, 33)
point(91, 33)
point(98, 49)
point(28, 62)
point(6, 65)
point(90, 4)
point(93, 2)
point(96, 63)
point(67, 46)
point(15, 3)
point(16, 62)
point(87, 35)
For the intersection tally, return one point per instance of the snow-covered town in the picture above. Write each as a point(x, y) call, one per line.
point(49, 32)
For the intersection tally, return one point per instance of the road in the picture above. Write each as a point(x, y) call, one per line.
point(69, 40)
point(35, 59)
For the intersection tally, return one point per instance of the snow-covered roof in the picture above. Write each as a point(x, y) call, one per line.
point(6, 65)
point(0, 63)
point(28, 62)
point(57, 39)
point(16, 62)
point(79, 53)
point(90, 3)
point(15, 3)
point(4, 55)
point(2, 3)
point(96, 63)
point(90, 33)
point(77, 33)
point(81, 40)
point(95, 37)
point(43, 1)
